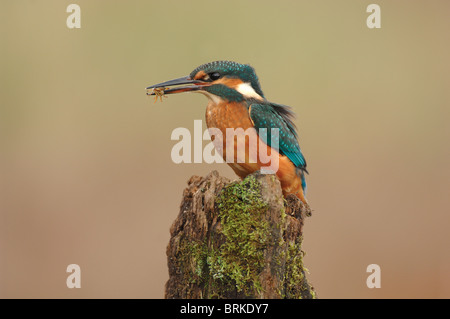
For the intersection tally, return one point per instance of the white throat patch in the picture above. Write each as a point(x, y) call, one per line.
point(247, 91)
point(212, 97)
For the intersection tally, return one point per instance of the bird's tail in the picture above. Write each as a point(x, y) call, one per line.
point(301, 173)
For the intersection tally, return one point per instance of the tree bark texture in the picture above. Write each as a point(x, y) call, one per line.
point(237, 240)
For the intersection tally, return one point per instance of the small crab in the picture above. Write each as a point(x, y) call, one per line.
point(159, 93)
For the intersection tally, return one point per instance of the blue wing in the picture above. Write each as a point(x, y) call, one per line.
point(272, 115)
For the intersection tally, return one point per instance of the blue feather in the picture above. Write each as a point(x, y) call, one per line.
point(269, 115)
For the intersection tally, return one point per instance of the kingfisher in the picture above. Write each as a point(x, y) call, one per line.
point(236, 101)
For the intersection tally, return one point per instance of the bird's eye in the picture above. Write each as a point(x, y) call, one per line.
point(214, 76)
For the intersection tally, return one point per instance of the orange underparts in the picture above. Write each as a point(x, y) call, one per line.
point(235, 115)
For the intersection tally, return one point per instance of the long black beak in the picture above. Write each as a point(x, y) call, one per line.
point(165, 86)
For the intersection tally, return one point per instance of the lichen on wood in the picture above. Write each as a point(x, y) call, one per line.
point(237, 240)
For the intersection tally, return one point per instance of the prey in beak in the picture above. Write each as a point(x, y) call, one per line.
point(183, 84)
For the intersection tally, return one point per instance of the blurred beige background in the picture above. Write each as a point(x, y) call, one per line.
point(86, 174)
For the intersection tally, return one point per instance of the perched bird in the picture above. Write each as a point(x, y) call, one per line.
point(237, 101)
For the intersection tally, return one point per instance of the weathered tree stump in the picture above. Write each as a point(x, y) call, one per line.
point(237, 240)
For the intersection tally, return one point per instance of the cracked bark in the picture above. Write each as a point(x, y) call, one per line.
point(237, 240)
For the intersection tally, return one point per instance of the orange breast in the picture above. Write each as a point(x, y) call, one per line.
point(244, 148)
point(239, 150)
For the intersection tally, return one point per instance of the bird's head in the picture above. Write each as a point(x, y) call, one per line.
point(219, 80)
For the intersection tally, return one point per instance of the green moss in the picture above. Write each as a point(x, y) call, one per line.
point(241, 257)
point(232, 258)
point(237, 262)
point(295, 284)
point(192, 259)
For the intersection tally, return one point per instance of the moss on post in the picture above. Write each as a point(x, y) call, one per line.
point(246, 232)
point(237, 240)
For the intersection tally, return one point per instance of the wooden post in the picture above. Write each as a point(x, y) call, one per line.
point(237, 240)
